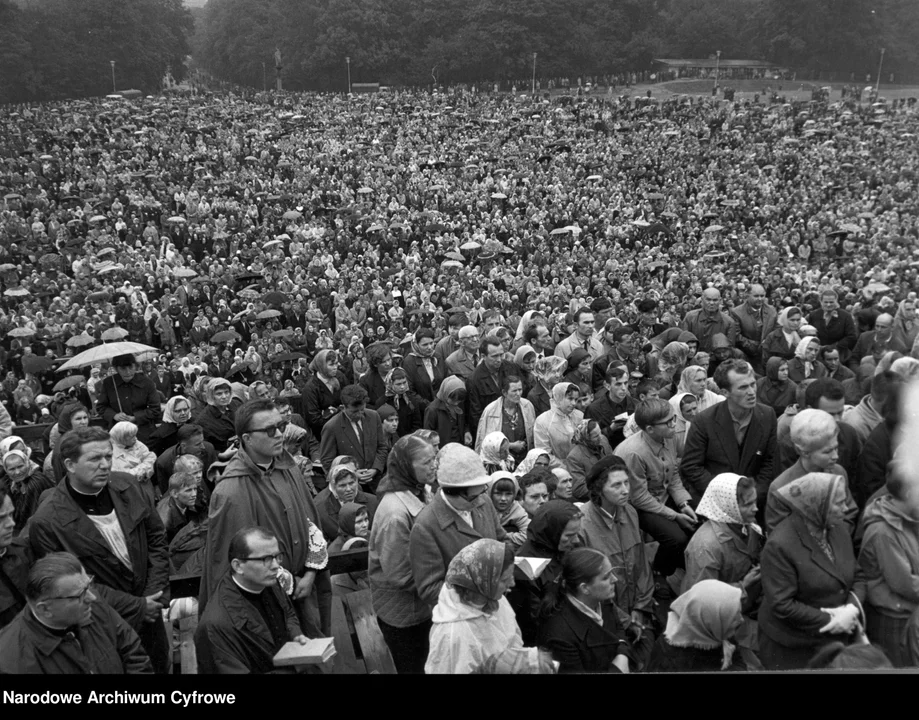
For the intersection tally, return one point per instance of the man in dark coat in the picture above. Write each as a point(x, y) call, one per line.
point(613, 401)
point(15, 560)
point(250, 617)
point(129, 396)
point(484, 385)
point(190, 442)
point(66, 629)
point(358, 432)
point(737, 436)
point(710, 320)
point(105, 520)
point(755, 320)
point(835, 327)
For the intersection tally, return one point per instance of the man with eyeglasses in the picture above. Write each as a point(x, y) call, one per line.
point(462, 362)
point(263, 486)
point(105, 520)
point(250, 617)
point(657, 492)
point(67, 629)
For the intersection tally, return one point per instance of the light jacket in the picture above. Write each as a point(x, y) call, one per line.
point(492, 420)
point(890, 558)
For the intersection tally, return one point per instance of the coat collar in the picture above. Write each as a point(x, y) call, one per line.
point(817, 555)
point(447, 516)
point(590, 634)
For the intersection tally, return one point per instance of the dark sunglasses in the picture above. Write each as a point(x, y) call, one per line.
point(271, 430)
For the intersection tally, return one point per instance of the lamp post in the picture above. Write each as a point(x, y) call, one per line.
point(348, 61)
point(717, 66)
point(533, 86)
point(877, 83)
point(113, 76)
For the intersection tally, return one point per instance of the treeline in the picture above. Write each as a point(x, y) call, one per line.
point(53, 49)
point(416, 41)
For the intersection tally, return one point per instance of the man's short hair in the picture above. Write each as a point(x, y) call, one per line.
point(534, 477)
point(353, 395)
point(72, 443)
point(188, 431)
point(487, 342)
point(652, 411)
point(180, 480)
point(621, 331)
point(457, 320)
point(282, 401)
point(615, 372)
point(741, 367)
point(829, 292)
point(247, 411)
point(125, 360)
point(46, 572)
point(532, 332)
point(489, 314)
point(647, 305)
point(239, 543)
point(823, 388)
point(583, 310)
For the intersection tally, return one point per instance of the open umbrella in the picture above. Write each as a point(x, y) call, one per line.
point(115, 333)
point(81, 340)
point(451, 264)
point(106, 351)
point(34, 364)
point(375, 227)
point(248, 293)
point(271, 243)
point(641, 223)
point(850, 228)
point(176, 219)
point(457, 309)
point(594, 177)
point(288, 357)
point(20, 332)
point(268, 314)
point(98, 218)
point(286, 332)
point(16, 292)
point(69, 382)
point(6, 267)
point(453, 255)
point(713, 228)
point(654, 196)
point(247, 278)
point(275, 298)
point(364, 191)
point(471, 245)
point(877, 287)
point(185, 273)
point(559, 231)
point(498, 196)
point(292, 215)
point(226, 336)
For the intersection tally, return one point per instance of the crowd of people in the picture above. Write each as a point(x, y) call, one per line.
point(600, 384)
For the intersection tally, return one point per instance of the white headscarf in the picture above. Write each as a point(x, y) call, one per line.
point(719, 502)
point(800, 352)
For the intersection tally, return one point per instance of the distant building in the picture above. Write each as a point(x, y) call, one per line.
point(727, 69)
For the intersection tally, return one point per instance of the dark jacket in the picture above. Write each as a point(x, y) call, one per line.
point(59, 525)
point(775, 345)
point(871, 472)
point(328, 506)
point(840, 332)
point(320, 403)
point(540, 398)
point(482, 388)
point(217, 426)
point(14, 565)
point(449, 428)
point(374, 385)
point(410, 418)
point(339, 438)
point(799, 579)
point(137, 398)
point(711, 449)
point(105, 646)
point(579, 644)
point(232, 637)
point(419, 380)
point(752, 330)
point(166, 462)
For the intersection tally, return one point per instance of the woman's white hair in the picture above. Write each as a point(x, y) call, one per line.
point(812, 429)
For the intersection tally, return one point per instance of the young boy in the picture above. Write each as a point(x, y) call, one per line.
point(390, 419)
point(514, 519)
point(179, 500)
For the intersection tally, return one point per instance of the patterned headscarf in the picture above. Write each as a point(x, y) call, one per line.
point(550, 369)
point(719, 502)
point(477, 568)
point(812, 497)
point(705, 617)
point(398, 398)
point(491, 451)
point(582, 437)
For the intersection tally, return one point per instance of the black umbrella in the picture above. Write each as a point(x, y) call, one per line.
point(275, 298)
point(247, 278)
point(288, 357)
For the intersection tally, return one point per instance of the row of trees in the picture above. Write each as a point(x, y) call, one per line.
point(51, 49)
point(408, 41)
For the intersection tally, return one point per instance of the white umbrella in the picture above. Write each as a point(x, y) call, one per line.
point(713, 228)
point(594, 177)
point(498, 196)
point(107, 351)
point(471, 245)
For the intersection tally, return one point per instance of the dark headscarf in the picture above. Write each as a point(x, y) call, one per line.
point(346, 517)
point(67, 412)
point(545, 531)
point(577, 356)
point(400, 469)
point(774, 392)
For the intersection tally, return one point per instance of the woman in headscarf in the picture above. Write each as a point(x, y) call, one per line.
point(216, 417)
point(905, 327)
point(554, 429)
point(131, 456)
point(537, 458)
point(343, 488)
point(804, 365)
point(701, 625)
point(528, 319)
point(404, 618)
point(811, 595)
point(358, 361)
point(525, 361)
point(446, 414)
point(782, 341)
point(728, 545)
point(775, 389)
point(670, 364)
point(584, 631)
point(354, 529)
point(379, 357)
point(589, 446)
point(473, 621)
point(548, 371)
point(424, 372)
point(552, 532)
point(72, 416)
point(24, 480)
point(511, 414)
point(322, 395)
point(694, 379)
point(580, 368)
point(685, 407)
point(176, 414)
point(409, 407)
point(495, 453)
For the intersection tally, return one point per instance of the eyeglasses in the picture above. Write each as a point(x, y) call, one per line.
point(669, 423)
point(271, 430)
point(267, 560)
point(81, 596)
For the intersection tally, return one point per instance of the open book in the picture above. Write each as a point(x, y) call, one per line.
point(316, 652)
point(531, 567)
